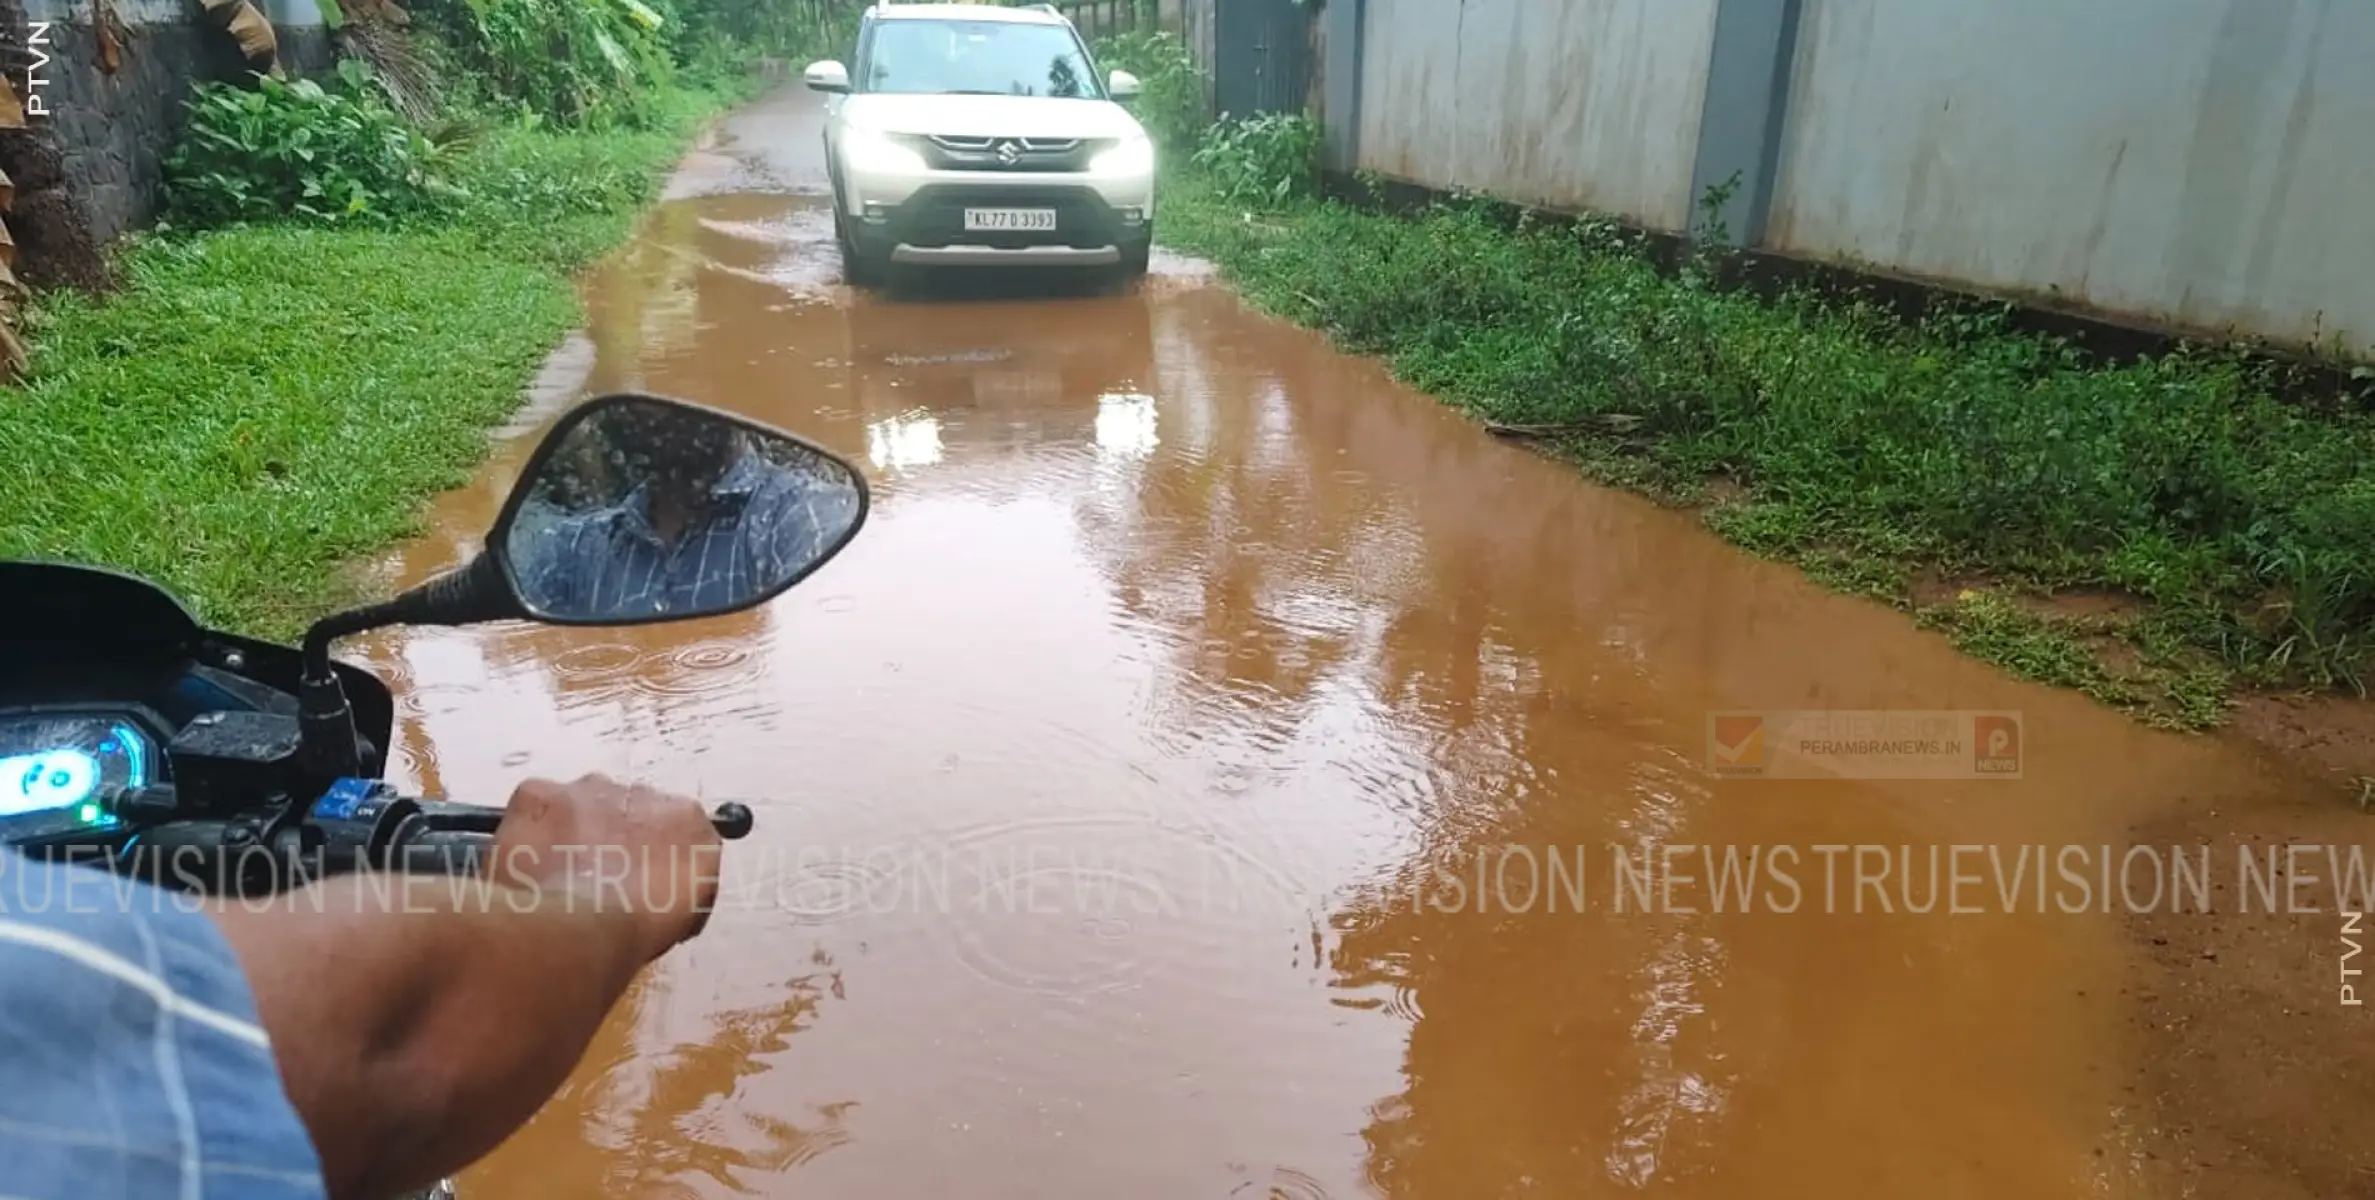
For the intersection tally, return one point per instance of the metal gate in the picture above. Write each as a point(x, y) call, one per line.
point(1261, 51)
point(1104, 18)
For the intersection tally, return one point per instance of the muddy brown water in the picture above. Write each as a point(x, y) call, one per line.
point(1108, 789)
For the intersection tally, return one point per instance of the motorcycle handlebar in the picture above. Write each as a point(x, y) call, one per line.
point(441, 852)
point(733, 821)
point(417, 836)
point(460, 847)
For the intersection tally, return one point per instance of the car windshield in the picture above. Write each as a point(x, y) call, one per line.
point(977, 58)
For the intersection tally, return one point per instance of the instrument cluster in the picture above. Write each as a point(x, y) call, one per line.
point(56, 767)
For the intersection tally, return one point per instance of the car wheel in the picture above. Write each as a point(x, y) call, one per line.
point(857, 268)
point(860, 269)
point(1132, 267)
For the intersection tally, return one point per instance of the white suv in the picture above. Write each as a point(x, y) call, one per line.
point(973, 135)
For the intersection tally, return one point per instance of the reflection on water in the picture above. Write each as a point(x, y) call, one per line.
point(1112, 789)
point(655, 1113)
point(1126, 426)
point(903, 443)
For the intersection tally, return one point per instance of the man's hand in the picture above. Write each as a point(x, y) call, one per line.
point(647, 854)
point(414, 1039)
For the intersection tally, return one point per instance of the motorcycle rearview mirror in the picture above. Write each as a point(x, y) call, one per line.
point(637, 510)
point(633, 510)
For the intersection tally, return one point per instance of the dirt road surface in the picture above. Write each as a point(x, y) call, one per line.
point(1148, 802)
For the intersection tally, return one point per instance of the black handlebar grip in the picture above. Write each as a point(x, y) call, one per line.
point(732, 820)
point(444, 852)
point(463, 852)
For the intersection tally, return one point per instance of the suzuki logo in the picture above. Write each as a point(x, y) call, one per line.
point(1009, 153)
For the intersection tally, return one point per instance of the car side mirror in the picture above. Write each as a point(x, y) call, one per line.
point(826, 76)
point(1122, 85)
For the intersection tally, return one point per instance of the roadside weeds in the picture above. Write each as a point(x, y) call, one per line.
point(2165, 536)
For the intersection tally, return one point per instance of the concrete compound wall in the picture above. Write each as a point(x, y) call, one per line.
point(1571, 104)
point(112, 131)
point(2200, 164)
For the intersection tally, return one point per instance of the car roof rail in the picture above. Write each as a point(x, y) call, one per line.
point(1042, 6)
point(1050, 9)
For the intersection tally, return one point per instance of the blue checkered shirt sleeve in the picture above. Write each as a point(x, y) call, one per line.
point(132, 1062)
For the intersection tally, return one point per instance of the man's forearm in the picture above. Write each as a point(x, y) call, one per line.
point(406, 1031)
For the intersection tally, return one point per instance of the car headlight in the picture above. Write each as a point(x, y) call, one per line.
point(1133, 157)
point(876, 153)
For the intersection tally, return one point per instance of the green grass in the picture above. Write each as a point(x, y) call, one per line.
point(2233, 532)
point(260, 406)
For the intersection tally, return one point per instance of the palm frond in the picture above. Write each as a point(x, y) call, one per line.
point(399, 66)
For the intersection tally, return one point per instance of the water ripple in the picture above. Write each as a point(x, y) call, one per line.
point(1075, 905)
point(604, 660)
point(821, 892)
point(1284, 1183)
point(435, 699)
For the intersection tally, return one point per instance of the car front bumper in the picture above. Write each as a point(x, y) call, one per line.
point(994, 256)
point(1097, 222)
point(869, 181)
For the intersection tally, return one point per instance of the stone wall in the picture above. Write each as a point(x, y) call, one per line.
point(104, 106)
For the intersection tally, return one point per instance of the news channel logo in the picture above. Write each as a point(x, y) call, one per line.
point(1865, 744)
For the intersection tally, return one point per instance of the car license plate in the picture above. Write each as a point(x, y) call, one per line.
point(984, 220)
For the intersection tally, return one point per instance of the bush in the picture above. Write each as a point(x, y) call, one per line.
point(528, 172)
point(1170, 102)
point(711, 59)
point(1269, 159)
point(577, 62)
point(791, 28)
point(285, 150)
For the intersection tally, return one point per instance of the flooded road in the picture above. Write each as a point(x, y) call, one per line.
point(1112, 790)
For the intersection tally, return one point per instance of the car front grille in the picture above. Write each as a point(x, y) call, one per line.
point(1004, 154)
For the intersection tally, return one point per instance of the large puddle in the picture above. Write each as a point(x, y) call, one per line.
point(1205, 776)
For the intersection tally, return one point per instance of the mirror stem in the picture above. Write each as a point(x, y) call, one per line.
point(476, 592)
point(468, 595)
point(326, 744)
